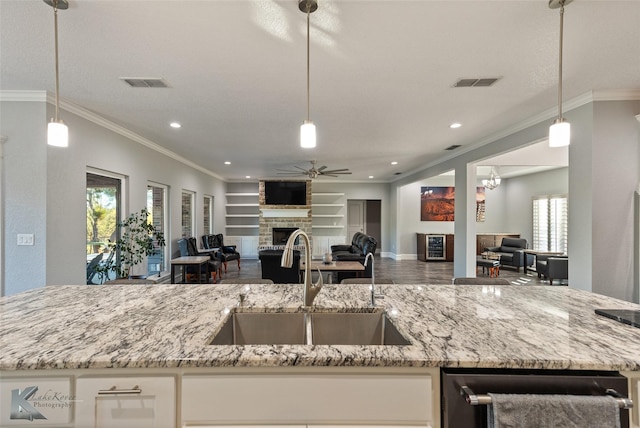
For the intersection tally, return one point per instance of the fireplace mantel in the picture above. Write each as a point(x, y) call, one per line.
point(285, 212)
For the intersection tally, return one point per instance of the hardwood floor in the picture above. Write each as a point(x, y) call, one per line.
point(401, 272)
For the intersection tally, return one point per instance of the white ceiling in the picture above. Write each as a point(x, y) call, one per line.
point(381, 73)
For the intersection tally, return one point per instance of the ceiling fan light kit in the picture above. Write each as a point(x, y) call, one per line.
point(308, 129)
point(57, 131)
point(560, 130)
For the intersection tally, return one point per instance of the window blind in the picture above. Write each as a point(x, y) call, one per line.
point(550, 223)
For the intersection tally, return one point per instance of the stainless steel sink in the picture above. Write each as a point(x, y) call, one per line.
point(316, 328)
point(334, 328)
point(262, 328)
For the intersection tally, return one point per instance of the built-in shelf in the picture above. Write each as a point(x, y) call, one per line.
point(242, 209)
point(328, 213)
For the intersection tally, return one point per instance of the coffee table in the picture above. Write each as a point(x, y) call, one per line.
point(337, 266)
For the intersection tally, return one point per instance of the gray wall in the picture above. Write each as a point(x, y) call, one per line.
point(25, 194)
point(508, 207)
point(45, 192)
point(364, 191)
point(615, 173)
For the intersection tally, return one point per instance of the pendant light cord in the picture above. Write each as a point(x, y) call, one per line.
point(308, 67)
point(55, 27)
point(560, 63)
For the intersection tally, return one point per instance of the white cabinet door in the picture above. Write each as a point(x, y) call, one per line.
point(320, 246)
point(309, 398)
point(140, 402)
point(36, 401)
point(234, 240)
point(249, 247)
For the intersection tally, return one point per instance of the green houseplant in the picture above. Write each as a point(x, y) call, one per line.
point(139, 239)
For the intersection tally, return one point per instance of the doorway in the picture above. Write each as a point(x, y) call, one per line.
point(103, 213)
point(364, 215)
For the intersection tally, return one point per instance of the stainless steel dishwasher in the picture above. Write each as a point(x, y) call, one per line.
point(465, 403)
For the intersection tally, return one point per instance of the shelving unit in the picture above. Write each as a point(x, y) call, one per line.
point(328, 210)
point(328, 214)
point(242, 217)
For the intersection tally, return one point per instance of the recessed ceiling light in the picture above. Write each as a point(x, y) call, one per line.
point(455, 125)
point(371, 176)
point(394, 163)
point(227, 163)
point(175, 125)
point(247, 176)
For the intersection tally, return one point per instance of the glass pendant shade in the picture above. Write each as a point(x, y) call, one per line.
point(560, 133)
point(308, 135)
point(57, 134)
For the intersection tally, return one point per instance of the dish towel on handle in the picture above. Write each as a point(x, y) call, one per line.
point(552, 411)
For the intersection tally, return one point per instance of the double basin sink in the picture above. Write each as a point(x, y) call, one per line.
point(261, 327)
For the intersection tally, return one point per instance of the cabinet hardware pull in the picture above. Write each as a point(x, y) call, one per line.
point(113, 390)
point(484, 399)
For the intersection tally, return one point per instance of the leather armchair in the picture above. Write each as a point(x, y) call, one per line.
point(226, 253)
point(552, 267)
point(189, 247)
point(511, 252)
point(270, 262)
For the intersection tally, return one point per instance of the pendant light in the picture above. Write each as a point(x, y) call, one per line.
point(560, 131)
point(308, 129)
point(57, 131)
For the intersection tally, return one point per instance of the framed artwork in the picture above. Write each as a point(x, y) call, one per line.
point(438, 203)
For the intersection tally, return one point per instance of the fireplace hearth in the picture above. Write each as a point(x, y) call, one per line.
point(281, 235)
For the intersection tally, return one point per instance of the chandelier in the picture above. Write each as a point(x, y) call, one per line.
point(493, 181)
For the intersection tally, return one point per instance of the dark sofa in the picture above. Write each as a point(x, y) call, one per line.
point(361, 245)
point(511, 251)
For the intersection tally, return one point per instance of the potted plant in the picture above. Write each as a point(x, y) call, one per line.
point(139, 239)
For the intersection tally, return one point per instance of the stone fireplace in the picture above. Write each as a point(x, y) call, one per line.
point(277, 218)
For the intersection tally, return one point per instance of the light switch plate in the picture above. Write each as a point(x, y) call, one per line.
point(25, 238)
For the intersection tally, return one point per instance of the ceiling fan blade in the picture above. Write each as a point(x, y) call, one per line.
point(338, 171)
point(322, 168)
point(292, 173)
point(306, 171)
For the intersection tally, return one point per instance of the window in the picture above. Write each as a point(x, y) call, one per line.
point(157, 207)
point(187, 213)
point(103, 214)
point(208, 215)
point(550, 220)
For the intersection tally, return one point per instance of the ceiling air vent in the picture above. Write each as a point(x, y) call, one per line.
point(136, 82)
point(475, 83)
point(453, 147)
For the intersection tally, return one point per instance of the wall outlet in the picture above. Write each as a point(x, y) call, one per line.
point(25, 238)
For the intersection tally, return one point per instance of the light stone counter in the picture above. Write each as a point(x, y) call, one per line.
point(140, 326)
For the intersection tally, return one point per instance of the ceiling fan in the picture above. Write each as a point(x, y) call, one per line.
point(314, 172)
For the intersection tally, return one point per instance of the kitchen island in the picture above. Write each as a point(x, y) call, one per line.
point(75, 333)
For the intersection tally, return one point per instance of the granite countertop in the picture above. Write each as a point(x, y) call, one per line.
point(140, 326)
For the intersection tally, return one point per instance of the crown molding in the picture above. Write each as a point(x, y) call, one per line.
point(44, 96)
